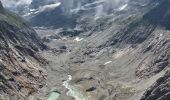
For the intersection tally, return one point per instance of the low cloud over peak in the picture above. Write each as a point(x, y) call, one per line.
point(14, 3)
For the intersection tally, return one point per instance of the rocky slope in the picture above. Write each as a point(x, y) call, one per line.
point(101, 51)
point(20, 71)
point(114, 57)
point(160, 90)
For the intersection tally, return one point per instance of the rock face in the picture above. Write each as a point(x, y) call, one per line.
point(158, 45)
point(20, 71)
point(160, 90)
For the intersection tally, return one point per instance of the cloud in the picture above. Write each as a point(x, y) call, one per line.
point(101, 7)
point(15, 3)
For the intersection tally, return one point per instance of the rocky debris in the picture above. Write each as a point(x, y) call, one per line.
point(148, 41)
point(63, 34)
point(117, 56)
point(48, 39)
point(152, 38)
point(160, 90)
point(58, 51)
point(157, 46)
point(134, 33)
point(70, 33)
point(91, 89)
point(20, 71)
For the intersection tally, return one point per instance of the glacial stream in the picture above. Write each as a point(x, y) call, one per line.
point(72, 91)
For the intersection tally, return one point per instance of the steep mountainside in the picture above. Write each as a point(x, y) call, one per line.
point(160, 90)
point(20, 71)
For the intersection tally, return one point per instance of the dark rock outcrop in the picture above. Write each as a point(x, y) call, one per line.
point(160, 90)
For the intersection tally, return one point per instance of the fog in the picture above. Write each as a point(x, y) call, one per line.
point(15, 3)
point(68, 6)
point(103, 7)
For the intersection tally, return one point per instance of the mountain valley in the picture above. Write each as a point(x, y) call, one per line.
point(88, 51)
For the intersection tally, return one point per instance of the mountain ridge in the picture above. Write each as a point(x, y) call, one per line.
point(20, 69)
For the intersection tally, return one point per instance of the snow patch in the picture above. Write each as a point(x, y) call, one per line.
point(161, 35)
point(72, 91)
point(54, 39)
point(51, 6)
point(69, 77)
point(43, 8)
point(122, 7)
point(108, 62)
point(78, 39)
point(64, 38)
